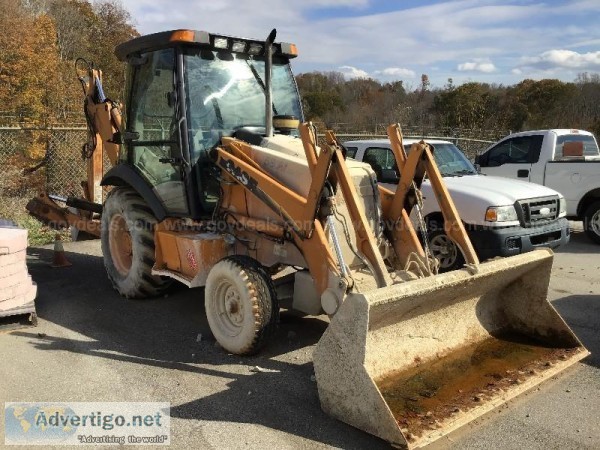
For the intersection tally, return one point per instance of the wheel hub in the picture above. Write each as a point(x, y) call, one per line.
point(444, 249)
point(121, 248)
point(233, 306)
point(230, 307)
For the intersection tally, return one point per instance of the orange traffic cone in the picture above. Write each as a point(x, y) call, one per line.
point(60, 260)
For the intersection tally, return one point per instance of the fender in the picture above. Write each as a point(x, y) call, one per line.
point(586, 200)
point(124, 175)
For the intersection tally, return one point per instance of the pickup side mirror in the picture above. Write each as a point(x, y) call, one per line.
point(481, 160)
point(389, 176)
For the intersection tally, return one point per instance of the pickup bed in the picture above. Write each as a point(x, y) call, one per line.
point(565, 160)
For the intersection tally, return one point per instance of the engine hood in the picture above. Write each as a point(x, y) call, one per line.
point(497, 190)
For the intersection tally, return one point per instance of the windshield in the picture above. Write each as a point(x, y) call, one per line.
point(225, 91)
point(590, 148)
point(450, 160)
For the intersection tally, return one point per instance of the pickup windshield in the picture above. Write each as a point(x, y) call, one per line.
point(590, 148)
point(450, 160)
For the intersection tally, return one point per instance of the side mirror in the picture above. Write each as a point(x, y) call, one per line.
point(389, 176)
point(482, 160)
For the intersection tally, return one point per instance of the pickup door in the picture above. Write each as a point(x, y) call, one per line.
point(513, 157)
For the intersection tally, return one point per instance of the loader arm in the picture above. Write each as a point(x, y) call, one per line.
point(297, 212)
point(366, 241)
point(412, 169)
point(300, 215)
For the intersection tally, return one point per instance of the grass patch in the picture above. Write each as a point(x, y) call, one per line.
point(13, 208)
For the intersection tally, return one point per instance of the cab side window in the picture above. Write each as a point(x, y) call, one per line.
point(153, 116)
point(518, 150)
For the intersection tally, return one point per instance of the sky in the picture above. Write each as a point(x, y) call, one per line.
point(489, 41)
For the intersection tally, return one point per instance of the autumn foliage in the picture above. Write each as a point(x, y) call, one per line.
point(367, 104)
point(39, 43)
point(41, 39)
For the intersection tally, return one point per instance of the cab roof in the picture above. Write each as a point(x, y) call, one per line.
point(165, 39)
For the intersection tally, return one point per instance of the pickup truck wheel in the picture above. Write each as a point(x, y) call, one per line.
point(591, 221)
point(444, 249)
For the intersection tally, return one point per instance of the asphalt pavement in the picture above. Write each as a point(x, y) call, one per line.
point(92, 345)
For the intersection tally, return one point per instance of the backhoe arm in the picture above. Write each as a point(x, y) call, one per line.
point(103, 117)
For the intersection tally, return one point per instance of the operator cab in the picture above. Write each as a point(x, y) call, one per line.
point(186, 90)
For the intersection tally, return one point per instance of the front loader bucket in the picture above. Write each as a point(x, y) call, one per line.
point(412, 362)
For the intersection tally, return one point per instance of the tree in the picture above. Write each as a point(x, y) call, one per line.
point(73, 19)
point(13, 19)
point(320, 94)
point(467, 106)
point(111, 26)
point(38, 90)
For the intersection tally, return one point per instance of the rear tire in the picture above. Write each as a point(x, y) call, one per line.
point(444, 249)
point(241, 305)
point(591, 221)
point(127, 238)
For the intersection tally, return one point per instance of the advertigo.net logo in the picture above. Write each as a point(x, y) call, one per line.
point(79, 423)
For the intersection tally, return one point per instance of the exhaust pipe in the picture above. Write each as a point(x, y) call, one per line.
point(268, 83)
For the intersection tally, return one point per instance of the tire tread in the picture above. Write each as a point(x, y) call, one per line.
point(139, 283)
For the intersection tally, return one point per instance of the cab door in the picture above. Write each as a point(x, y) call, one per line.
point(153, 121)
point(512, 158)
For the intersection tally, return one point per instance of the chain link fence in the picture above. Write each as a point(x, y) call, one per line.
point(47, 158)
point(471, 142)
point(35, 160)
point(65, 166)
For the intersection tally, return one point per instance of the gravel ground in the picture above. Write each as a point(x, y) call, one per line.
point(92, 345)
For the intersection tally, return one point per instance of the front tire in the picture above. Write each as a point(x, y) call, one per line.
point(591, 221)
point(241, 304)
point(127, 238)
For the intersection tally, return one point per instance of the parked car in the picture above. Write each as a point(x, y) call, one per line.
point(565, 160)
point(502, 217)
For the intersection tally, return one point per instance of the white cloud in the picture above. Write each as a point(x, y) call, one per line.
point(471, 32)
point(353, 72)
point(477, 66)
point(337, 3)
point(516, 71)
point(567, 59)
point(397, 72)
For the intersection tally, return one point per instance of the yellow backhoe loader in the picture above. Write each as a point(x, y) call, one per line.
point(216, 184)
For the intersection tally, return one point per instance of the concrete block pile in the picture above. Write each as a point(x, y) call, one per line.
point(17, 290)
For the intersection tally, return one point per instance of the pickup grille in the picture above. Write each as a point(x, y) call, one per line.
point(537, 211)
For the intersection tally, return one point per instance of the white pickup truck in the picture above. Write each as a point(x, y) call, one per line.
point(502, 217)
point(565, 160)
